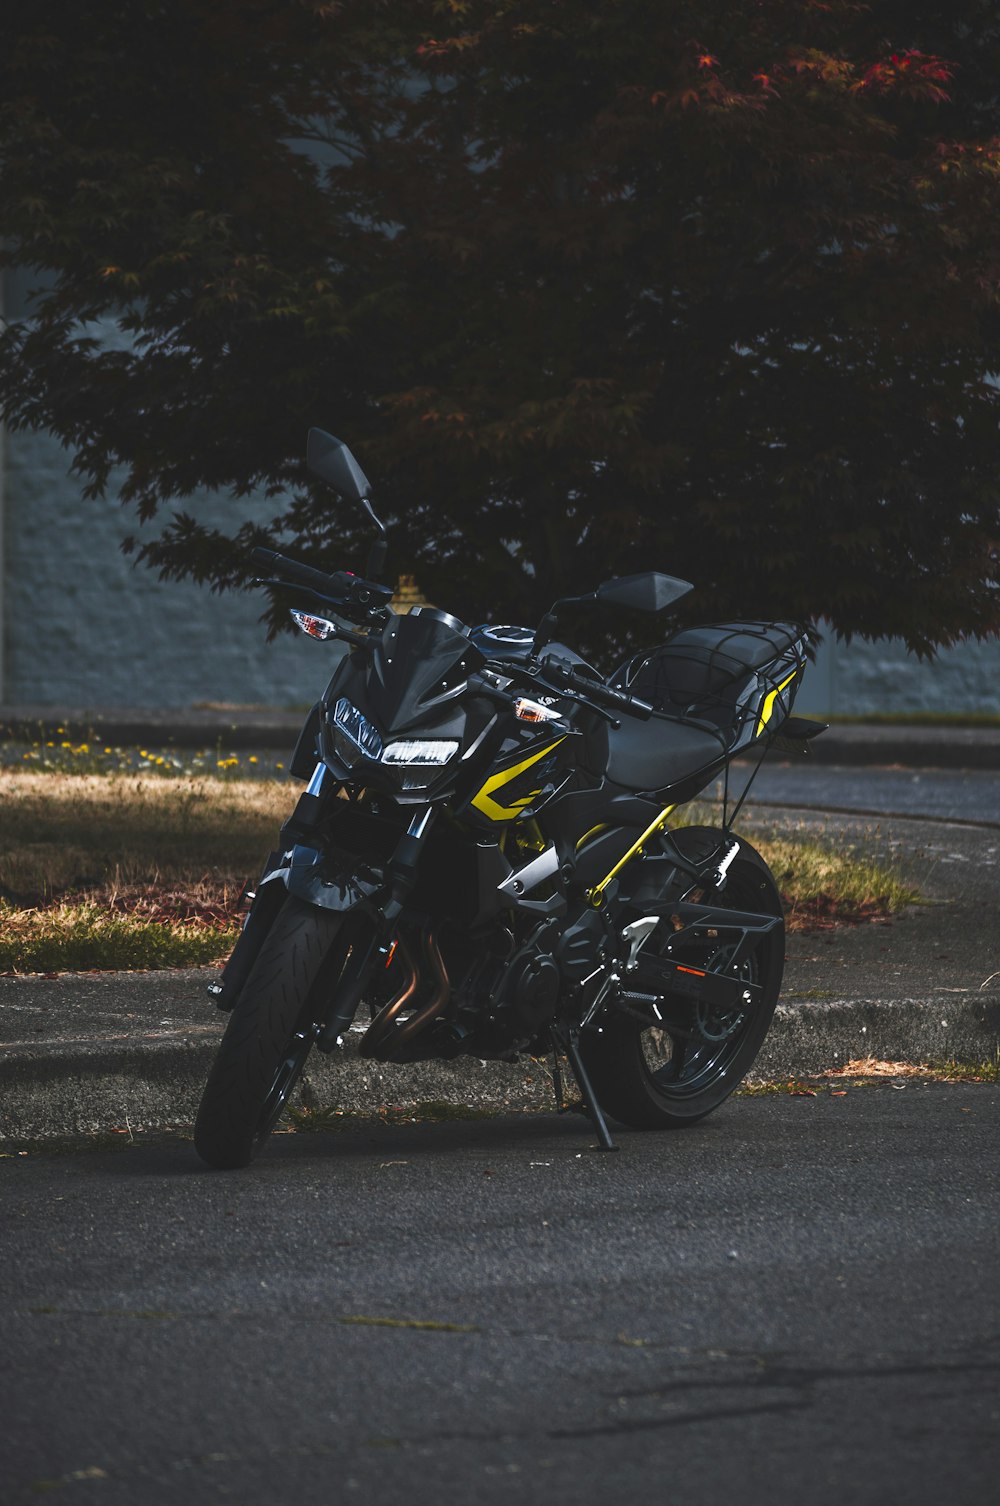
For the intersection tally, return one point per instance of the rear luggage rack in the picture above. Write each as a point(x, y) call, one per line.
point(735, 679)
point(710, 675)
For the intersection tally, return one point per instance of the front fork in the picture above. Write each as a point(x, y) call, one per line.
point(282, 875)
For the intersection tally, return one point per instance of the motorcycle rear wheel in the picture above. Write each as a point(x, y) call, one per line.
point(649, 1079)
point(270, 1033)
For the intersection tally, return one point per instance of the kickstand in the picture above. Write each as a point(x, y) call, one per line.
point(566, 1038)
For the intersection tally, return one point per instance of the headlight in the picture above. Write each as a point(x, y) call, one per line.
point(355, 734)
point(431, 751)
point(357, 728)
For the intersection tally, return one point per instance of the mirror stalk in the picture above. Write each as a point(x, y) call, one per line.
point(546, 628)
point(330, 459)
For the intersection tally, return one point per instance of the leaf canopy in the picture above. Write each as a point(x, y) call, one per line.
point(708, 288)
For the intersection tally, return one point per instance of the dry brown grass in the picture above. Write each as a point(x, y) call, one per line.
point(102, 870)
point(123, 832)
point(873, 1067)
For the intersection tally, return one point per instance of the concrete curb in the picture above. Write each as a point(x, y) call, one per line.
point(72, 1088)
point(810, 1038)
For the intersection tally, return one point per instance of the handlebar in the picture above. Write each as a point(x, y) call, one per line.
point(368, 599)
point(341, 587)
point(303, 575)
point(559, 675)
point(562, 673)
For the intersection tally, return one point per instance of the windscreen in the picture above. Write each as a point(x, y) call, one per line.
point(421, 662)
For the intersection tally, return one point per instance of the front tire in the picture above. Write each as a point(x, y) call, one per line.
point(269, 1035)
point(649, 1079)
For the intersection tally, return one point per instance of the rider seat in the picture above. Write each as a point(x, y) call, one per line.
point(701, 681)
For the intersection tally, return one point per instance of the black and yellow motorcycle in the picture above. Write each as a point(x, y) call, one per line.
point(482, 863)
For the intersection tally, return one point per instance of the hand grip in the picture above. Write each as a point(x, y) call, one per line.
point(595, 690)
point(335, 585)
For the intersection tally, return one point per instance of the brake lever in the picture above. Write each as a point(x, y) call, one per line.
point(287, 585)
point(581, 700)
point(345, 635)
point(373, 616)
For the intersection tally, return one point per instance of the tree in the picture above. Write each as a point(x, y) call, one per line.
point(587, 288)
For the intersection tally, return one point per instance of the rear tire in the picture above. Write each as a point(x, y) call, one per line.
point(269, 1035)
point(648, 1079)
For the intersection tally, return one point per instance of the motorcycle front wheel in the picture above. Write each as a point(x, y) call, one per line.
point(652, 1078)
point(270, 1032)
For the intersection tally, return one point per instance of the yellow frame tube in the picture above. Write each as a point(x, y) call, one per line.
point(596, 895)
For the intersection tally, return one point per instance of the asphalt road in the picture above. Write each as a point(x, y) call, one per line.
point(796, 1300)
point(963, 795)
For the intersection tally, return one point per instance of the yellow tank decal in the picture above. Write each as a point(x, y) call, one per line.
point(768, 707)
point(492, 809)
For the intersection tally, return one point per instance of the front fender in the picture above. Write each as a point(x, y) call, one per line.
point(323, 879)
point(310, 875)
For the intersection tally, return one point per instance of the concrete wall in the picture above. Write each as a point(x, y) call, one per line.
point(83, 626)
point(857, 679)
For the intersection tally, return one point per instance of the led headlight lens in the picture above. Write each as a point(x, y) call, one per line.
point(432, 752)
point(357, 728)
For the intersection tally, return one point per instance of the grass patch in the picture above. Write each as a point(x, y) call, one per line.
point(871, 1067)
point(79, 937)
point(101, 831)
point(62, 755)
point(124, 870)
point(870, 1070)
point(116, 871)
point(822, 886)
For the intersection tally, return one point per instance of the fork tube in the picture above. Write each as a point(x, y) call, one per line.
point(420, 823)
point(315, 785)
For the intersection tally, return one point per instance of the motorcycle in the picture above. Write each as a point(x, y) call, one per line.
point(481, 861)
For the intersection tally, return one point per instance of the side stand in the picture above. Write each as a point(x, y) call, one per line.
point(565, 1038)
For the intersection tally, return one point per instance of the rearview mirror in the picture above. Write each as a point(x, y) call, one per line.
point(332, 461)
point(648, 592)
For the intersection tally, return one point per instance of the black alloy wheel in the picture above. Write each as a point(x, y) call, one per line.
point(666, 1076)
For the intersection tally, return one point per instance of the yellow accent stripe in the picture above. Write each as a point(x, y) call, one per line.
point(768, 707)
point(596, 895)
point(491, 808)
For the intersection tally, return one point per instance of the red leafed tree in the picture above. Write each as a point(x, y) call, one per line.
point(711, 287)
